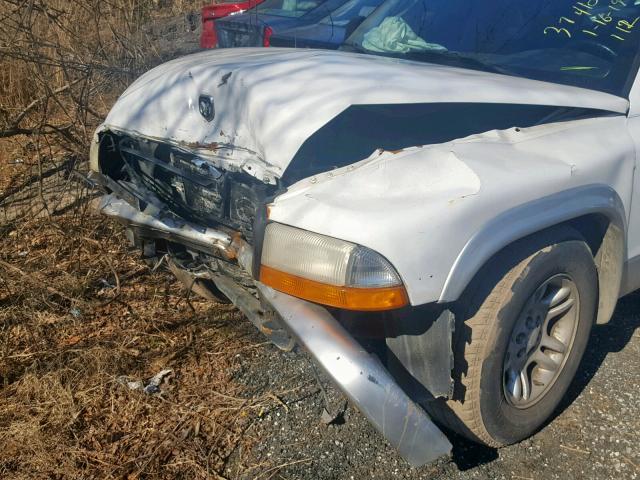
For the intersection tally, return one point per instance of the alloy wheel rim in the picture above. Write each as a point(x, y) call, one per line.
point(541, 341)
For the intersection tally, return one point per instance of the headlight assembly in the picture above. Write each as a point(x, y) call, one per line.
point(329, 271)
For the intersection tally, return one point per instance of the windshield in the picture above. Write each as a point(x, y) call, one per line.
point(589, 43)
point(350, 11)
point(288, 8)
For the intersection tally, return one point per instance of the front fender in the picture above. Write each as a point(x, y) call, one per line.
point(538, 215)
point(439, 212)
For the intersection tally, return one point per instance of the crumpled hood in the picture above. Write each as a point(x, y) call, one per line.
point(269, 101)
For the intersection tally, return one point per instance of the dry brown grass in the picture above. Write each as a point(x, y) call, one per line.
point(63, 63)
point(77, 310)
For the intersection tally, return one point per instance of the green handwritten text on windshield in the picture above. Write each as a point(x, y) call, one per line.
point(605, 19)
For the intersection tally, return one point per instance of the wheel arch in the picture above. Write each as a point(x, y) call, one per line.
point(596, 211)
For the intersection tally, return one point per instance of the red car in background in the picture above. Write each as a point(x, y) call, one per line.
point(210, 13)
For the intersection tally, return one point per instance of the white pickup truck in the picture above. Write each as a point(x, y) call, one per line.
point(438, 212)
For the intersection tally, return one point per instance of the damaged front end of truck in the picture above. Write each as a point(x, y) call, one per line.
point(208, 225)
point(330, 197)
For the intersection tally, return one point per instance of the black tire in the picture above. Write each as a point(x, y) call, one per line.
point(479, 409)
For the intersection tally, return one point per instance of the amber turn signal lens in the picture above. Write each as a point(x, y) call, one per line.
point(348, 298)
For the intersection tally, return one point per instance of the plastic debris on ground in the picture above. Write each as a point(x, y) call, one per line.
point(150, 387)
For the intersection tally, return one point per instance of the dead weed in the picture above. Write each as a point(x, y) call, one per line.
point(77, 311)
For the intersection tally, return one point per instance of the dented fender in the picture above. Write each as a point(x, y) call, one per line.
point(422, 207)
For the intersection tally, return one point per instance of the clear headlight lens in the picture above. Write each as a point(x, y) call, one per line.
point(329, 271)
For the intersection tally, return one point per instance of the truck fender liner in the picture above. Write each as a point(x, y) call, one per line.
point(420, 351)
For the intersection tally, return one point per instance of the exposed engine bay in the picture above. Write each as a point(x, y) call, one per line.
point(201, 220)
point(207, 224)
point(188, 185)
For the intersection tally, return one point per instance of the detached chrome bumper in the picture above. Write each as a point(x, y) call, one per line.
point(362, 378)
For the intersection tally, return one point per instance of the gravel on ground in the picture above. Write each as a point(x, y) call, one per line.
point(593, 436)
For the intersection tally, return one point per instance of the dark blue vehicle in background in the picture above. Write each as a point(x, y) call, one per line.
point(257, 26)
point(329, 32)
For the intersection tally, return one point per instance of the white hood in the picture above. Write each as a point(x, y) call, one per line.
point(269, 101)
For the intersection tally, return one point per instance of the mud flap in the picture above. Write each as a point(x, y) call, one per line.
point(420, 353)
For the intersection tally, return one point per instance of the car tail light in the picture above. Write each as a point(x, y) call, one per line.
point(266, 40)
point(208, 36)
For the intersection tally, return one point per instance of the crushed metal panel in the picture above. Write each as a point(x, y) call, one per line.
point(361, 129)
point(149, 226)
point(420, 208)
point(258, 111)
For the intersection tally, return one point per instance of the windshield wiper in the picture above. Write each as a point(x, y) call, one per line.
point(456, 59)
point(451, 58)
point(353, 47)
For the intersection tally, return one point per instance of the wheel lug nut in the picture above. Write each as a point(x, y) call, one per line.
point(530, 323)
point(520, 338)
point(520, 353)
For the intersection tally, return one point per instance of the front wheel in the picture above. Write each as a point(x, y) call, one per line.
point(520, 343)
